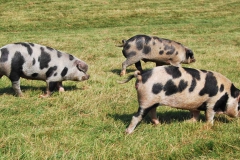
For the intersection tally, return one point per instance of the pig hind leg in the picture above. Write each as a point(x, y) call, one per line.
point(142, 112)
point(128, 62)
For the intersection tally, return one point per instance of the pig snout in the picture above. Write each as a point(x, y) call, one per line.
point(189, 56)
point(86, 77)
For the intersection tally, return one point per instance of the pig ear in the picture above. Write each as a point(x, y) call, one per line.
point(82, 66)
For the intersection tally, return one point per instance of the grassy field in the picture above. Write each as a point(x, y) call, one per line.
point(89, 119)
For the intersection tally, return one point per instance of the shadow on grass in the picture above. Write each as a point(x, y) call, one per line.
point(10, 91)
point(168, 117)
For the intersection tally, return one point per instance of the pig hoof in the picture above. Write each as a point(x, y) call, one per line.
point(44, 96)
point(192, 120)
point(61, 89)
point(128, 131)
point(155, 121)
point(122, 73)
point(20, 95)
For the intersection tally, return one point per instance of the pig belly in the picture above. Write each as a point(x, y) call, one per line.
point(188, 102)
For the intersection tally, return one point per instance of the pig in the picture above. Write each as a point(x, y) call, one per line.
point(37, 62)
point(184, 88)
point(154, 49)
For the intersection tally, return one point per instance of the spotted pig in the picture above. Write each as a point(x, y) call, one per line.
point(37, 62)
point(154, 49)
point(184, 88)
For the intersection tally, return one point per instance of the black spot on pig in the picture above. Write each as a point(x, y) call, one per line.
point(146, 49)
point(157, 38)
point(173, 71)
point(64, 71)
point(71, 57)
point(31, 44)
point(221, 104)
point(16, 66)
point(59, 54)
point(4, 55)
point(33, 61)
point(50, 71)
point(203, 107)
point(44, 59)
point(170, 88)
point(29, 48)
point(170, 49)
point(157, 88)
point(146, 75)
point(49, 48)
point(55, 74)
point(161, 52)
point(34, 75)
point(126, 46)
point(221, 87)
point(139, 44)
point(131, 54)
point(147, 39)
point(234, 91)
point(182, 85)
point(194, 73)
point(193, 85)
point(210, 86)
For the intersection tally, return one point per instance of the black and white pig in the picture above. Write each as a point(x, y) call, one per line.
point(154, 49)
point(37, 62)
point(184, 88)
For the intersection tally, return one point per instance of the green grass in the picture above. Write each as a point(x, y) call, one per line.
point(88, 120)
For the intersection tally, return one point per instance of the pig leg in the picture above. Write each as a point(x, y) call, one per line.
point(194, 115)
point(142, 112)
point(209, 113)
point(15, 79)
point(50, 88)
point(60, 87)
point(138, 66)
point(129, 62)
point(153, 115)
point(16, 88)
point(135, 120)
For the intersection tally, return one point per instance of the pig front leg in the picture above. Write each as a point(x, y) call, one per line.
point(16, 88)
point(194, 115)
point(60, 87)
point(50, 89)
point(209, 113)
